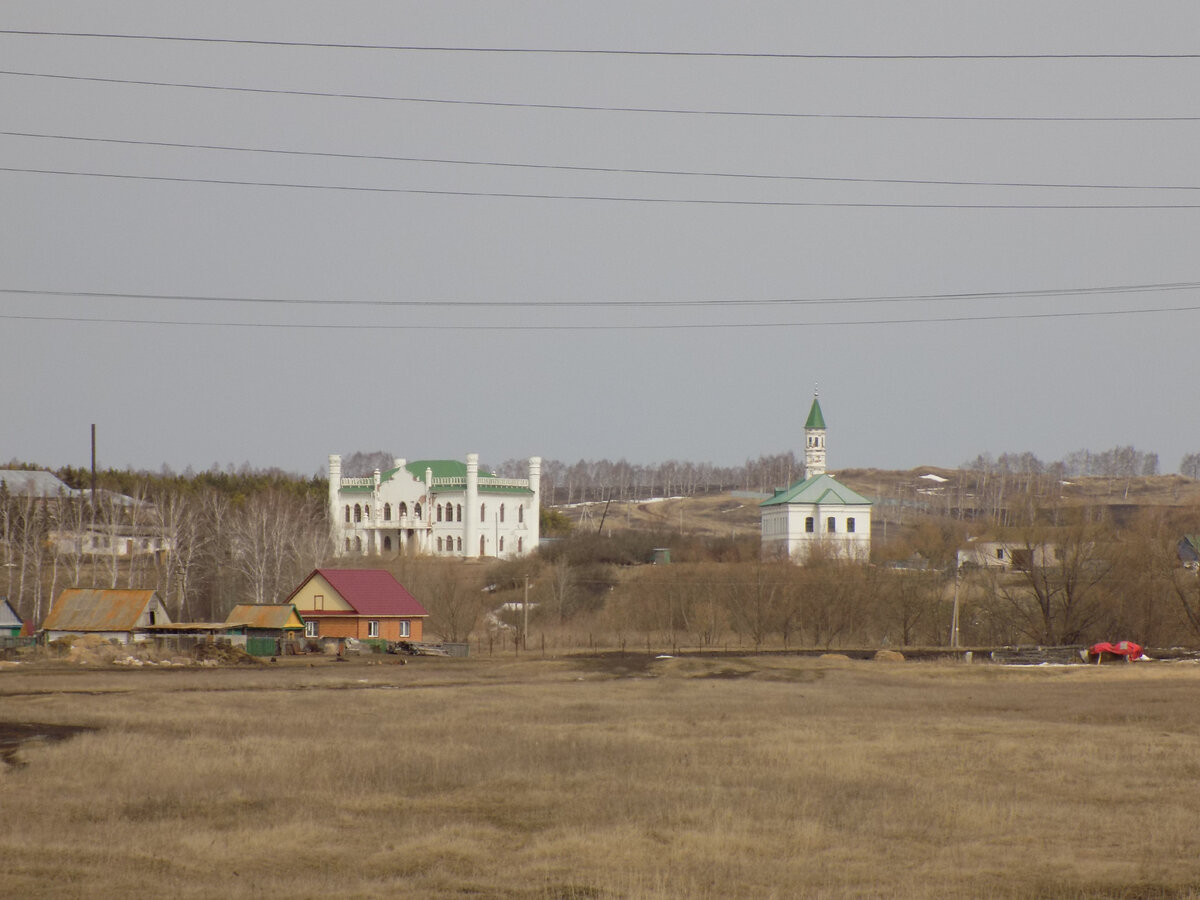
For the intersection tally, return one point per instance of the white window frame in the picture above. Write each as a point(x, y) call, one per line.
point(405, 630)
point(373, 628)
point(311, 629)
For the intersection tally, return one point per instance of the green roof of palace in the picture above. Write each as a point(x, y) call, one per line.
point(442, 468)
point(822, 490)
point(815, 419)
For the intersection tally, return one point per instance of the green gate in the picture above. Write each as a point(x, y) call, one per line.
point(260, 646)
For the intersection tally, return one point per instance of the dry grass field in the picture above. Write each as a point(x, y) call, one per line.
point(605, 778)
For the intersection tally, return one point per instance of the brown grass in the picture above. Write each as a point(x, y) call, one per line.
point(767, 777)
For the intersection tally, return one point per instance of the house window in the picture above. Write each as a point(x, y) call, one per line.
point(404, 629)
point(831, 524)
point(850, 525)
point(999, 553)
point(151, 622)
point(373, 629)
point(357, 513)
point(810, 525)
point(318, 601)
point(501, 516)
point(387, 512)
point(310, 629)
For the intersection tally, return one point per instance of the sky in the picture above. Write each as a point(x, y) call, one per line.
point(640, 230)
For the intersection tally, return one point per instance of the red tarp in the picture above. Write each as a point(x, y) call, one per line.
point(1128, 649)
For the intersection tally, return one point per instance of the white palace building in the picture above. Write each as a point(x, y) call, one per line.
point(441, 507)
point(817, 510)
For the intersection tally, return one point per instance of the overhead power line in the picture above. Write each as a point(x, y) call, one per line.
point(584, 51)
point(674, 326)
point(619, 303)
point(343, 95)
point(598, 169)
point(517, 195)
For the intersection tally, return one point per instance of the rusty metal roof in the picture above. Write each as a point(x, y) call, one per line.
point(266, 615)
point(79, 609)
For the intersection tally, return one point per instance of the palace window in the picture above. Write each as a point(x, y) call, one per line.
point(402, 510)
point(357, 513)
point(501, 516)
point(387, 543)
point(439, 545)
point(520, 545)
point(459, 541)
point(347, 512)
point(810, 525)
point(417, 510)
point(850, 525)
point(439, 512)
point(459, 509)
point(831, 524)
point(482, 512)
point(520, 513)
point(387, 512)
point(501, 549)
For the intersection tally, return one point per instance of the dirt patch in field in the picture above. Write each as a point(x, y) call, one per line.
point(14, 735)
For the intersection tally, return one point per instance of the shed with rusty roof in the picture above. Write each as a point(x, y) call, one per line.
point(114, 614)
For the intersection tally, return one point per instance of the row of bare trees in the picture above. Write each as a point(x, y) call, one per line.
point(202, 550)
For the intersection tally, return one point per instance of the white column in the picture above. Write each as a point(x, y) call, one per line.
point(335, 513)
point(535, 520)
point(471, 513)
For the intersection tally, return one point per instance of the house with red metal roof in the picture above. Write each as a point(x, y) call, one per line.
point(368, 604)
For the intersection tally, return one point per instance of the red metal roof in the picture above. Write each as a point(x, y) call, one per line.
point(371, 592)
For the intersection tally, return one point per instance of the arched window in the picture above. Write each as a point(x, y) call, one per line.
point(439, 545)
point(460, 545)
point(501, 548)
point(520, 545)
point(357, 513)
point(358, 545)
point(520, 513)
point(367, 513)
point(403, 510)
point(387, 543)
point(417, 510)
point(460, 512)
point(482, 512)
point(347, 545)
point(501, 516)
point(481, 545)
point(439, 512)
point(347, 512)
point(387, 512)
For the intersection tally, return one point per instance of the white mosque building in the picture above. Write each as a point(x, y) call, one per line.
point(818, 510)
point(442, 507)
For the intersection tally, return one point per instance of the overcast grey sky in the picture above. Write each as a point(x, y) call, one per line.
point(675, 356)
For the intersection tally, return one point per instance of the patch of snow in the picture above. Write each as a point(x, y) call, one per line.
point(938, 478)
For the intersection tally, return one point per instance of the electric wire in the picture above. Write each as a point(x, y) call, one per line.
point(673, 326)
point(584, 51)
point(615, 303)
point(698, 173)
point(343, 95)
point(518, 195)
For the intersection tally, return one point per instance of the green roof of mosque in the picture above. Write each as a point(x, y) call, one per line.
point(815, 419)
point(822, 490)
